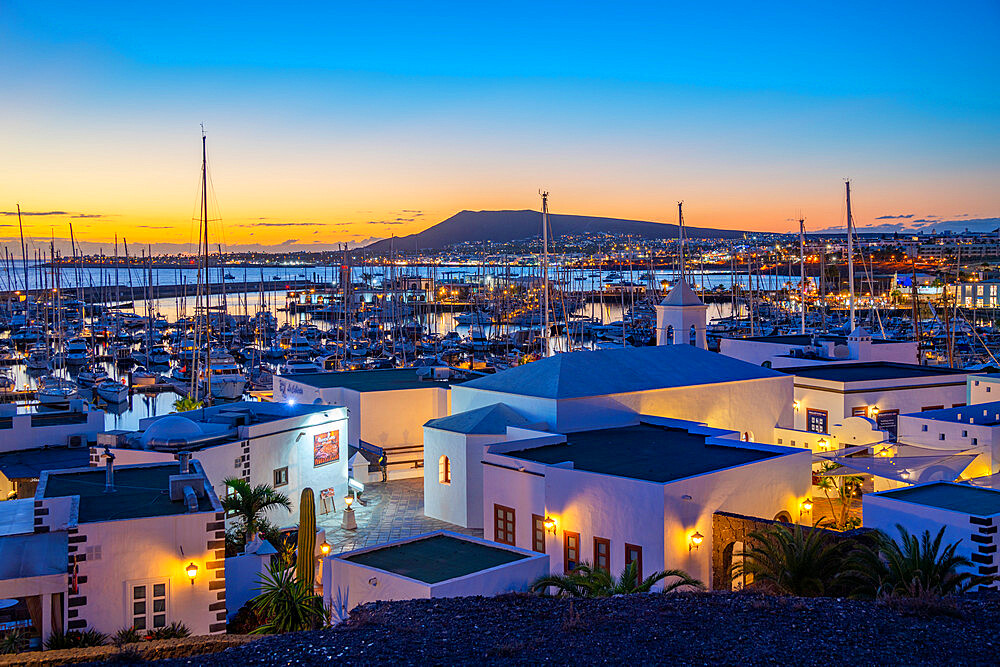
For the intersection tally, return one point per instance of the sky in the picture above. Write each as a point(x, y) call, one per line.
point(338, 122)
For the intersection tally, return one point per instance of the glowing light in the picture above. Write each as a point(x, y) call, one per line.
point(696, 539)
point(192, 572)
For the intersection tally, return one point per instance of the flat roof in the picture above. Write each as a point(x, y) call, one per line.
point(869, 370)
point(362, 381)
point(809, 339)
point(436, 558)
point(974, 500)
point(140, 492)
point(30, 463)
point(647, 452)
point(979, 414)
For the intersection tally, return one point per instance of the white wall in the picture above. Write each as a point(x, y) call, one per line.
point(957, 436)
point(884, 513)
point(23, 435)
point(983, 389)
point(148, 549)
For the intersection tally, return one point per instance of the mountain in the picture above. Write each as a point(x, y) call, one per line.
point(502, 226)
point(908, 225)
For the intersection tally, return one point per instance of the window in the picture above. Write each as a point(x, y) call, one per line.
point(965, 434)
point(538, 533)
point(975, 441)
point(444, 470)
point(602, 554)
point(816, 420)
point(987, 390)
point(940, 436)
point(958, 405)
point(924, 428)
point(503, 525)
point(932, 407)
point(571, 551)
point(860, 411)
point(281, 476)
point(633, 554)
point(149, 605)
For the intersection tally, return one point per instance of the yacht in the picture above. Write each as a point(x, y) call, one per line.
point(295, 366)
point(37, 359)
point(77, 353)
point(91, 375)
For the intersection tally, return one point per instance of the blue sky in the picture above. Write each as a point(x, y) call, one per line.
point(343, 114)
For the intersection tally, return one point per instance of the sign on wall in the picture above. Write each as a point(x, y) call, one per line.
point(326, 448)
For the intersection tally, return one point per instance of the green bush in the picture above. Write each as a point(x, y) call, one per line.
point(14, 641)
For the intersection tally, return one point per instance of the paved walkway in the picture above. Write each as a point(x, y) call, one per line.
point(393, 511)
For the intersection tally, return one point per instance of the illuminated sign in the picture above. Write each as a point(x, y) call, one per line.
point(326, 448)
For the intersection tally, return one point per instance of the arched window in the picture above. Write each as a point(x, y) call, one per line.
point(693, 336)
point(444, 470)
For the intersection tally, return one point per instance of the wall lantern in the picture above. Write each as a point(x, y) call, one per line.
point(696, 540)
point(822, 443)
point(550, 525)
point(873, 411)
point(324, 548)
point(806, 506)
point(192, 572)
point(796, 404)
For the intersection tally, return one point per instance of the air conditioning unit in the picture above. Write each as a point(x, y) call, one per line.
point(76, 441)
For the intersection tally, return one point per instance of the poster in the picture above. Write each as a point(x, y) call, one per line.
point(326, 448)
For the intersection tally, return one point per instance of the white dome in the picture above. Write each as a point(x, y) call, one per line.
point(172, 430)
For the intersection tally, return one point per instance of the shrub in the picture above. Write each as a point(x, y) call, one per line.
point(76, 639)
point(14, 641)
point(126, 636)
point(287, 603)
point(589, 582)
point(246, 620)
point(794, 561)
point(175, 630)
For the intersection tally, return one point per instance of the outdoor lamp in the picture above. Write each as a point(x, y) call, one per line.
point(796, 404)
point(550, 525)
point(696, 540)
point(807, 505)
point(348, 500)
point(324, 548)
point(192, 572)
point(874, 411)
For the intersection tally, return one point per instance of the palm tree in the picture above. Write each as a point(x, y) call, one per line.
point(790, 561)
point(186, 403)
point(589, 582)
point(912, 566)
point(286, 603)
point(249, 503)
point(846, 488)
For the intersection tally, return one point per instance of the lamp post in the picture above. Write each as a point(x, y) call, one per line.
point(349, 522)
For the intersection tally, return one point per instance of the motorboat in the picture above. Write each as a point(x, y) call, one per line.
point(112, 391)
point(142, 377)
point(225, 381)
point(37, 359)
point(298, 365)
point(91, 375)
point(76, 352)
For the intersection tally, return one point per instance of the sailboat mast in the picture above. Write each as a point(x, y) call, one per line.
point(850, 251)
point(545, 272)
point(24, 251)
point(208, 300)
point(802, 271)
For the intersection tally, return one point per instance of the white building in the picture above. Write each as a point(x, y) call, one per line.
point(785, 351)
point(880, 391)
point(966, 429)
point(434, 565)
point(970, 515)
point(142, 547)
point(30, 429)
point(682, 318)
point(603, 388)
point(645, 492)
point(984, 388)
point(289, 447)
point(387, 408)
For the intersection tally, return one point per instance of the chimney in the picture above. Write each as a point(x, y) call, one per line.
point(190, 499)
point(185, 460)
point(109, 469)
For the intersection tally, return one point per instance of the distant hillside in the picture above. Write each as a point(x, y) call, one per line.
point(513, 225)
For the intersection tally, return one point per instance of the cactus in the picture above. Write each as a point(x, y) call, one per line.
point(305, 561)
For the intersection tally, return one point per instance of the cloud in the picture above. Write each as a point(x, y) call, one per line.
point(895, 217)
point(288, 242)
point(34, 213)
point(384, 222)
point(281, 224)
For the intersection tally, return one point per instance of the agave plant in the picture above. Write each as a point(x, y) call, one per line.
point(912, 566)
point(589, 582)
point(288, 604)
point(249, 503)
point(790, 561)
